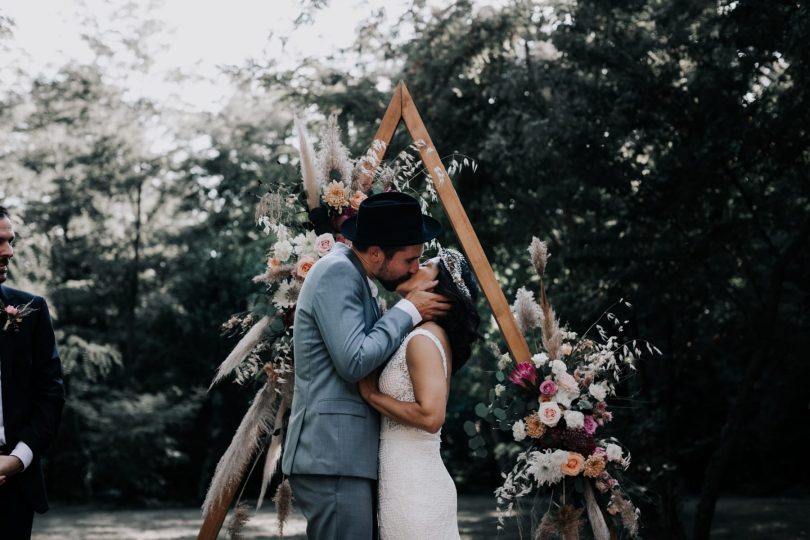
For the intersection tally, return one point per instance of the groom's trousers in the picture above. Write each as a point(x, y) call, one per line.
point(16, 513)
point(336, 507)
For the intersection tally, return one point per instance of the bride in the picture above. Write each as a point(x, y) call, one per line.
point(417, 497)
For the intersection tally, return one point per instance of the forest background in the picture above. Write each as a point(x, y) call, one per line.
point(662, 148)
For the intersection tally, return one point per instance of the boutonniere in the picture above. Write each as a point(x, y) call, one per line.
point(13, 315)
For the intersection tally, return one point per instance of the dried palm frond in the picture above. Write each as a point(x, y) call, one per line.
point(308, 167)
point(597, 520)
point(271, 205)
point(244, 445)
point(283, 500)
point(239, 517)
point(242, 349)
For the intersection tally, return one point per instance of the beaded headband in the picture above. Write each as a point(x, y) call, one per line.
point(454, 261)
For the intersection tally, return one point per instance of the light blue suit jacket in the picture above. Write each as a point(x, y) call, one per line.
point(338, 338)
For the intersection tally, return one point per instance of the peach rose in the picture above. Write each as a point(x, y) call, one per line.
point(303, 266)
point(357, 198)
point(574, 465)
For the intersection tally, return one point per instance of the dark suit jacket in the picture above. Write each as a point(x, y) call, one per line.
point(33, 393)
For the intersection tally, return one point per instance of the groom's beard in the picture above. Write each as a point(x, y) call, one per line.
point(392, 284)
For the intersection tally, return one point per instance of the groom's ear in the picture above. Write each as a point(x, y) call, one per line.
point(375, 254)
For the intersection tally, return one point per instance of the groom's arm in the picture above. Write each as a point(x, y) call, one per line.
point(338, 309)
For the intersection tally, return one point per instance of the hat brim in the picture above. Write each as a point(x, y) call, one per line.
point(431, 228)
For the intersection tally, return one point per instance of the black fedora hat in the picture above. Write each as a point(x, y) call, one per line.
point(390, 219)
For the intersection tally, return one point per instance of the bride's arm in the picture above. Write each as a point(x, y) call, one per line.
point(429, 388)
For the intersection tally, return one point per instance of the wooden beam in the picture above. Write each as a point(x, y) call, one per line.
point(466, 234)
point(216, 515)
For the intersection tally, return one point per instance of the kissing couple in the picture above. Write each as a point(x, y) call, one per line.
point(354, 476)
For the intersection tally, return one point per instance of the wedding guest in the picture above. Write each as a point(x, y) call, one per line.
point(31, 397)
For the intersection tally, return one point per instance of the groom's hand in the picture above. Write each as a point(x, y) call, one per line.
point(9, 466)
point(431, 306)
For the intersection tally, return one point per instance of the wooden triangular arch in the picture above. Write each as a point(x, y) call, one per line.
point(402, 109)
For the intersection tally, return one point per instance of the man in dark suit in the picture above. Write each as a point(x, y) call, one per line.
point(32, 397)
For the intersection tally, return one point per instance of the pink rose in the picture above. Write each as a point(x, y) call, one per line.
point(589, 424)
point(523, 373)
point(303, 266)
point(548, 388)
point(600, 452)
point(550, 413)
point(12, 311)
point(324, 243)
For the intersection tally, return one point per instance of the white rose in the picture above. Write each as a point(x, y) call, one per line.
point(499, 388)
point(519, 430)
point(574, 419)
point(598, 391)
point(557, 367)
point(567, 382)
point(540, 359)
point(550, 413)
point(324, 243)
point(565, 398)
point(283, 250)
point(614, 452)
point(504, 361)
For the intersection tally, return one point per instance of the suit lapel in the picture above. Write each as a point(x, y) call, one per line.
point(362, 271)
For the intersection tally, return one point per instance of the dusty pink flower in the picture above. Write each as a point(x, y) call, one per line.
point(550, 413)
point(567, 382)
point(523, 373)
point(324, 243)
point(600, 452)
point(548, 388)
point(12, 311)
point(589, 424)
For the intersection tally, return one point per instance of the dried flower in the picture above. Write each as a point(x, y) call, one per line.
point(594, 466)
point(564, 523)
point(334, 195)
point(573, 465)
point(598, 391)
point(539, 254)
point(534, 427)
point(287, 294)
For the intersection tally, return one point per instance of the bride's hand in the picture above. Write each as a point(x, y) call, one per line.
point(368, 385)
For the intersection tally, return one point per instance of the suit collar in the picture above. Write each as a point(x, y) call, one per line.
point(352, 256)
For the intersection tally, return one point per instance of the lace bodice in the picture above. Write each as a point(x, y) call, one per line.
point(395, 381)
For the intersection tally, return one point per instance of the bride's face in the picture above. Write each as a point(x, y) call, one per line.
point(428, 271)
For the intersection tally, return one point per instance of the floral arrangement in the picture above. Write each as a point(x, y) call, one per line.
point(555, 408)
point(13, 315)
point(301, 226)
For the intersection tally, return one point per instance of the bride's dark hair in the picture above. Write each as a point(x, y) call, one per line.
point(461, 323)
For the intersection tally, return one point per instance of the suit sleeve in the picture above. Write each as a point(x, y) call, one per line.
point(339, 313)
point(48, 389)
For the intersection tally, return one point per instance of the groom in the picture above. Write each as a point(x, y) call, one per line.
point(340, 337)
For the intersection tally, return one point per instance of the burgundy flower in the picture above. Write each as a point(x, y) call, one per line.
point(524, 373)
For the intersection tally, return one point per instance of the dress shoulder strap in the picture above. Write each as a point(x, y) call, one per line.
point(435, 340)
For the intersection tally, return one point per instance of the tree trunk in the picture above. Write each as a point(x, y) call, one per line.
point(134, 279)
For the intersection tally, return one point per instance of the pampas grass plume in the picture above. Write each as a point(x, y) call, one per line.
point(283, 500)
point(565, 523)
point(308, 172)
point(527, 312)
point(539, 254)
point(239, 517)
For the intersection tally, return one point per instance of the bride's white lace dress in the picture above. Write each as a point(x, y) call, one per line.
point(417, 496)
